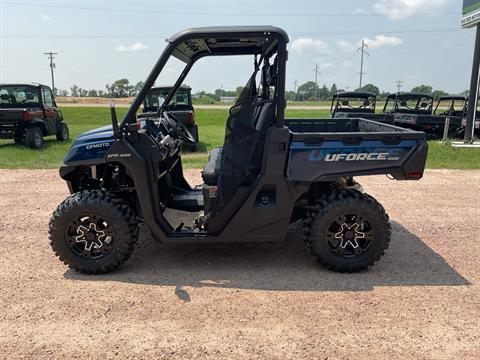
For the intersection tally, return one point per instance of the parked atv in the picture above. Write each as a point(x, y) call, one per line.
point(414, 111)
point(28, 113)
point(356, 104)
point(181, 106)
point(265, 176)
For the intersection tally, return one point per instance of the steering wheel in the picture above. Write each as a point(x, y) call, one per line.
point(179, 129)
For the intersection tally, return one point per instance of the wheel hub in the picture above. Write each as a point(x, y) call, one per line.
point(349, 234)
point(91, 236)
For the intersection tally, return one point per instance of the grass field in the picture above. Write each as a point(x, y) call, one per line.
point(211, 124)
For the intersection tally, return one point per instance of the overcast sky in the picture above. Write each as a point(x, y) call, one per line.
point(416, 41)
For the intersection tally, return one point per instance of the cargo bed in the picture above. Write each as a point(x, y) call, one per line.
point(326, 149)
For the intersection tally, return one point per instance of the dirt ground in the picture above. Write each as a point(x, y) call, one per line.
point(421, 300)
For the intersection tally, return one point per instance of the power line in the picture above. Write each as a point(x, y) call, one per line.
point(165, 36)
point(208, 13)
point(52, 66)
point(363, 52)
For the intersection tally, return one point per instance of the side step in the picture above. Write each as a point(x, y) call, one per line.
point(191, 202)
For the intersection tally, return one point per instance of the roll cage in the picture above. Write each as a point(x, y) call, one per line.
point(191, 45)
point(452, 108)
point(354, 101)
point(423, 103)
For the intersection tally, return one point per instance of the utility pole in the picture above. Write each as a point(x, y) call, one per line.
point(399, 85)
point(52, 66)
point(317, 72)
point(295, 84)
point(363, 52)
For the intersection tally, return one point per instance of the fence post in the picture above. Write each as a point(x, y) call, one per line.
point(445, 130)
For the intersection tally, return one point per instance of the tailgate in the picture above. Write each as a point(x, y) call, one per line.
point(10, 117)
point(359, 147)
point(9, 120)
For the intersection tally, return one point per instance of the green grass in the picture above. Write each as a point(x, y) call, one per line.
point(211, 123)
point(446, 157)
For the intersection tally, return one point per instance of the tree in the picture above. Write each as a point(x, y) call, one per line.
point(92, 93)
point(220, 92)
point(437, 94)
point(307, 91)
point(323, 93)
point(370, 88)
point(74, 90)
point(333, 89)
point(238, 91)
point(422, 89)
point(290, 95)
point(62, 92)
point(120, 88)
point(138, 86)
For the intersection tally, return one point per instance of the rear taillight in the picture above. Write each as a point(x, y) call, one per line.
point(415, 174)
point(26, 116)
point(191, 117)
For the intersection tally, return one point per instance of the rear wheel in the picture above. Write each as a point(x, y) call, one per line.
point(63, 134)
point(93, 232)
point(347, 231)
point(34, 137)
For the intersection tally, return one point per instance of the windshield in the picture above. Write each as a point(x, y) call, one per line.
point(414, 103)
point(12, 96)
point(361, 104)
point(156, 97)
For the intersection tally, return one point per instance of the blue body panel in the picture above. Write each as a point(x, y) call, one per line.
point(332, 159)
point(90, 147)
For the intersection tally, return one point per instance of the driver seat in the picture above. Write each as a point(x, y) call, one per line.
point(264, 118)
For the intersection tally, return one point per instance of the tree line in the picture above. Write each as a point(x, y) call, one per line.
point(308, 91)
point(118, 89)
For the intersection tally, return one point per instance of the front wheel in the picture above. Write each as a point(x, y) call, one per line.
point(93, 232)
point(347, 231)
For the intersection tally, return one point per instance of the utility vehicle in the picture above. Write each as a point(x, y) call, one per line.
point(181, 106)
point(414, 111)
point(356, 104)
point(28, 112)
point(265, 176)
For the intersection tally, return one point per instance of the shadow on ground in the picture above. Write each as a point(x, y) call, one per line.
point(284, 266)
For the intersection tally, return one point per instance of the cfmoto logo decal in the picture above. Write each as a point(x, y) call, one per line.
point(334, 155)
point(97, 146)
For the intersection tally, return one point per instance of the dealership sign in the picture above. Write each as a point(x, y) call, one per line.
point(471, 13)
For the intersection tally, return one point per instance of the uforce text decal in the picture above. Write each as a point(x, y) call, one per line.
point(97, 146)
point(332, 155)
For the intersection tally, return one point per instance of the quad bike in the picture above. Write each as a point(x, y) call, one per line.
point(269, 173)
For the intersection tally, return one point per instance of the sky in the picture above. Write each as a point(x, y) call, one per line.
point(98, 42)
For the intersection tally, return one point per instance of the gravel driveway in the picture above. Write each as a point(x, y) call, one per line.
point(248, 301)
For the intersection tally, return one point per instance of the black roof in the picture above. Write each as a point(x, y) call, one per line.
point(452, 97)
point(192, 44)
point(354, 94)
point(185, 87)
point(31, 84)
point(410, 94)
point(238, 31)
